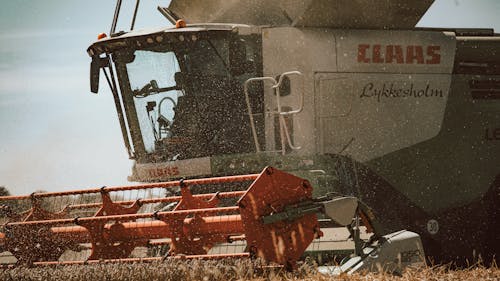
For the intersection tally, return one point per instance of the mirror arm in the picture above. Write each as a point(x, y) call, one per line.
point(95, 68)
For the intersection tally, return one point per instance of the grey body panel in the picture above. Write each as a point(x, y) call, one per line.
point(399, 14)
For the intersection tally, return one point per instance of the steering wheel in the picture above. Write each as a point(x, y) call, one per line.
point(164, 123)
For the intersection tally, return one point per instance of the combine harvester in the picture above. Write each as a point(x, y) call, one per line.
point(358, 104)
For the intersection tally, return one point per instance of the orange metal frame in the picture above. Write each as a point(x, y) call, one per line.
point(197, 223)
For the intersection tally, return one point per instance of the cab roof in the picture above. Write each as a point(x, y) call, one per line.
point(123, 39)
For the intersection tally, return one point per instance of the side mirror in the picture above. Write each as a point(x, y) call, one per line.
point(286, 88)
point(95, 69)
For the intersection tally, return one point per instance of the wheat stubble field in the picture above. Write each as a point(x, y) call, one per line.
point(229, 270)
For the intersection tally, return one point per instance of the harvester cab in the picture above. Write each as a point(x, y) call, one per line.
point(182, 92)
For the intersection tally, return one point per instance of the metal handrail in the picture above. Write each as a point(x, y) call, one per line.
point(284, 132)
point(249, 106)
point(283, 128)
point(278, 85)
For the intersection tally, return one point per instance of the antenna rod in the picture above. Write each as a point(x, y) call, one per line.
point(115, 17)
point(135, 14)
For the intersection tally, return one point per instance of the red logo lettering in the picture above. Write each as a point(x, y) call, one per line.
point(362, 53)
point(433, 55)
point(377, 56)
point(394, 52)
point(412, 54)
point(163, 172)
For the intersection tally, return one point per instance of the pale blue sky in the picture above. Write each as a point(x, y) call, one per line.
point(55, 134)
